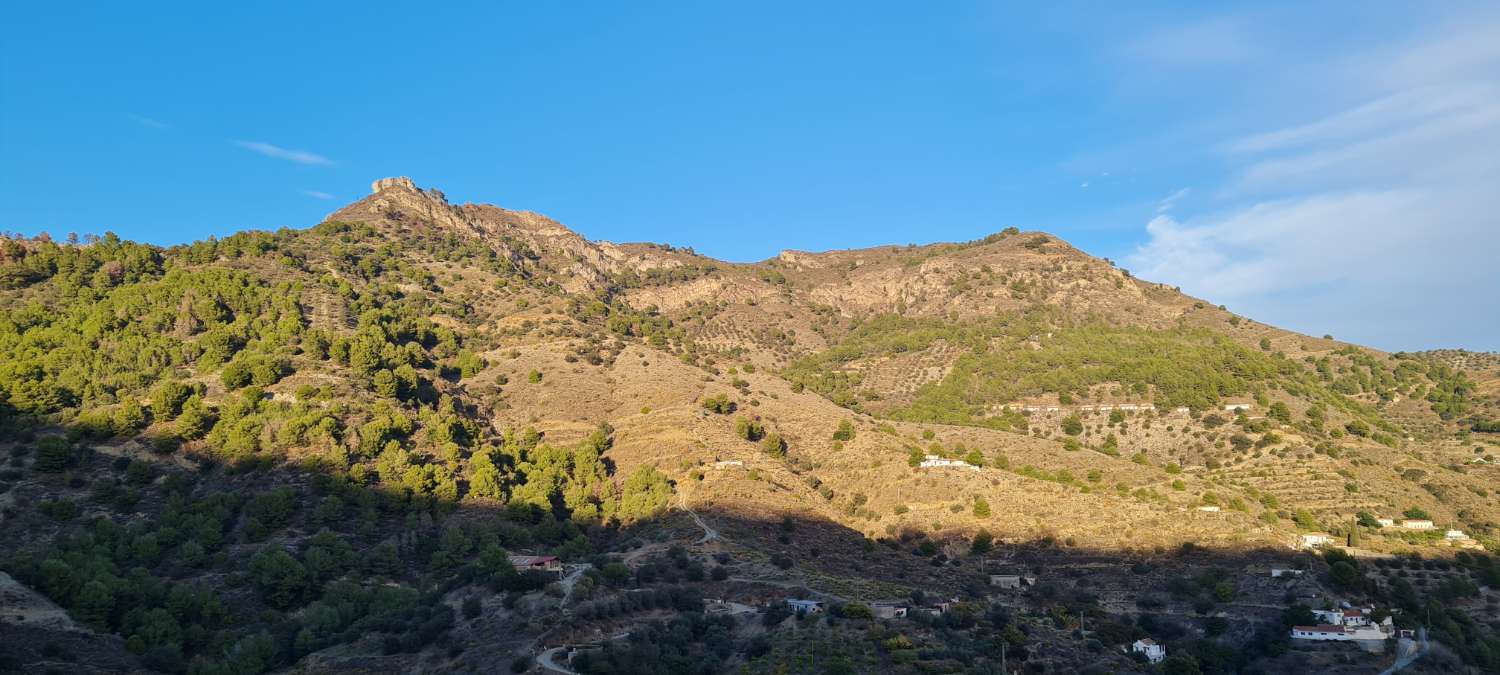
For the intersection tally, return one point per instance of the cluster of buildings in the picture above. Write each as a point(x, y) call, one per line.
point(1345, 624)
point(1313, 540)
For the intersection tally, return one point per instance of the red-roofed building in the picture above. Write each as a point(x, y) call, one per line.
point(537, 563)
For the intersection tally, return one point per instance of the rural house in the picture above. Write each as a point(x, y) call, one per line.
point(888, 610)
point(537, 563)
point(1313, 540)
point(1153, 652)
point(1332, 632)
point(806, 606)
point(934, 461)
point(1005, 580)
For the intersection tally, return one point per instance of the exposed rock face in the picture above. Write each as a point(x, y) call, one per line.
point(387, 183)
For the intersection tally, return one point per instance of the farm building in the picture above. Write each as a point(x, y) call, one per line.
point(537, 563)
point(936, 462)
point(1153, 652)
point(888, 610)
point(806, 606)
point(1313, 540)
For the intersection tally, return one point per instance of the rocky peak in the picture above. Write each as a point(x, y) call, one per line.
point(388, 183)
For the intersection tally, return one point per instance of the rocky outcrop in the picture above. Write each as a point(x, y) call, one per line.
point(389, 183)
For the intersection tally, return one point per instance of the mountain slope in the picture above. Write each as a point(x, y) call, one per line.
point(412, 388)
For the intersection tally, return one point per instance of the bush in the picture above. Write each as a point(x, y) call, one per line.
point(773, 445)
point(719, 404)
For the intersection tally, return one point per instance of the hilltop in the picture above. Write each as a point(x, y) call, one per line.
point(332, 438)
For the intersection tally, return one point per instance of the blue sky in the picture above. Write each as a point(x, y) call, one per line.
point(1323, 171)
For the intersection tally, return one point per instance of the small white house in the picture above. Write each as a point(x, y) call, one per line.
point(1279, 572)
point(1005, 580)
point(1236, 407)
point(888, 610)
point(1417, 524)
point(1386, 522)
point(1154, 653)
point(1314, 540)
point(1331, 632)
point(936, 462)
point(806, 606)
point(1454, 535)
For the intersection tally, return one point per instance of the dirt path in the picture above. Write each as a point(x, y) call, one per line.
point(1407, 659)
point(548, 661)
point(570, 582)
point(709, 533)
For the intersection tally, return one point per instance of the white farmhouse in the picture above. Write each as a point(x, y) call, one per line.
point(1154, 653)
point(1417, 524)
point(1333, 632)
point(805, 606)
point(1386, 522)
point(936, 462)
point(888, 610)
point(1005, 580)
point(1313, 540)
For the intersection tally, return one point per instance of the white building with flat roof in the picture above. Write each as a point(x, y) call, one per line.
point(936, 462)
point(1153, 652)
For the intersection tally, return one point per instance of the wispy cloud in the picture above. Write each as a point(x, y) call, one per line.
point(1166, 205)
point(1371, 221)
point(298, 156)
point(318, 195)
point(148, 122)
